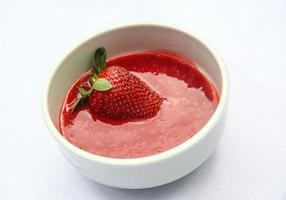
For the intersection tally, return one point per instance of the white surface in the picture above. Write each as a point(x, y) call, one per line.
point(250, 162)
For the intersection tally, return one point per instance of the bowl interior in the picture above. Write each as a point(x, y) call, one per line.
point(125, 40)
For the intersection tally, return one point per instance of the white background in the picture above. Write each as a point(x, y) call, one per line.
point(250, 161)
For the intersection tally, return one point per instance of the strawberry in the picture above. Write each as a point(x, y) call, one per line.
point(129, 97)
point(115, 93)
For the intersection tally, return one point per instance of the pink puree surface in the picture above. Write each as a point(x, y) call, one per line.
point(190, 100)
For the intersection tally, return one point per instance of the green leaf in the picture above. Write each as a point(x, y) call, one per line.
point(80, 101)
point(84, 92)
point(99, 60)
point(101, 84)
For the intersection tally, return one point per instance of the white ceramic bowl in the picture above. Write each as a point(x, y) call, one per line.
point(152, 170)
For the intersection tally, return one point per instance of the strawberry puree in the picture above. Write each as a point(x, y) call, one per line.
point(189, 101)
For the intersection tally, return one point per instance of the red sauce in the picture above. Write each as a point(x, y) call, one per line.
point(190, 100)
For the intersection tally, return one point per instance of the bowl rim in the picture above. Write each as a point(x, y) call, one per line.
point(200, 135)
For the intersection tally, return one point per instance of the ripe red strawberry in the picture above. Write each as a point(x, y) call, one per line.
point(129, 97)
point(116, 93)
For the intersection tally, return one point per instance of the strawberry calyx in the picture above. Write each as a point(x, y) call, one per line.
point(98, 84)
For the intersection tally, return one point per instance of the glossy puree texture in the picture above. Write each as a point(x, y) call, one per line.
point(189, 101)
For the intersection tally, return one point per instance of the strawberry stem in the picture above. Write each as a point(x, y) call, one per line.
point(93, 78)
